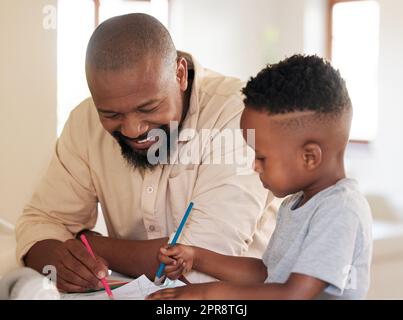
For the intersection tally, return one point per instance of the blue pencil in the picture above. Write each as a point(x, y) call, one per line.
point(161, 268)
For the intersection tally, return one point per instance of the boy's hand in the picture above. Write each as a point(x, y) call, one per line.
point(178, 260)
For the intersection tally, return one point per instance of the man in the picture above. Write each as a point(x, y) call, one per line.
point(140, 87)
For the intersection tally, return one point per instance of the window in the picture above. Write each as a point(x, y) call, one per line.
point(76, 22)
point(353, 49)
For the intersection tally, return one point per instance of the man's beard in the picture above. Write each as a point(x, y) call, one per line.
point(138, 159)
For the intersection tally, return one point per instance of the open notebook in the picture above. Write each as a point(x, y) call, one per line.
point(136, 289)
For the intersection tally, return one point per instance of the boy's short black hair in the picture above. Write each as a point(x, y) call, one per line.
point(298, 83)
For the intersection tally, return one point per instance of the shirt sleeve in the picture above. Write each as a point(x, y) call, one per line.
point(231, 206)
point(65, 201)
point(328, 250)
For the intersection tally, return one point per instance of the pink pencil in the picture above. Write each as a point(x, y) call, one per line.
point(105, 284)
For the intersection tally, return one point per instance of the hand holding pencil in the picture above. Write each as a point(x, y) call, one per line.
point(159, 277)
point(178, 260)
point(103, 280)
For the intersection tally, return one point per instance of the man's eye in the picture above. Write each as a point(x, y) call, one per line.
point(111, 116)
point(148, 110)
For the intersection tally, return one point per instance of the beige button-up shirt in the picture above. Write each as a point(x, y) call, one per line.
point(230, 213)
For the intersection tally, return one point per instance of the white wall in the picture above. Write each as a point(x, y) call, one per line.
point(378, 166)
point(315, 18)
point(27, 101)
point(238, 37)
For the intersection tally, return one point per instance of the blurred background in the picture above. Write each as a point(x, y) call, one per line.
point(42, 79)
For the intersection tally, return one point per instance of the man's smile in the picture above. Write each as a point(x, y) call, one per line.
point(142, 143)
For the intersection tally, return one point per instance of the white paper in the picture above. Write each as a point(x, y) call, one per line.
point(137, 289)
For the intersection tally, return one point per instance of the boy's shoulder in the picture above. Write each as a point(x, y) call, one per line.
point(345, 197)
point(341, 201)
point(344, 207)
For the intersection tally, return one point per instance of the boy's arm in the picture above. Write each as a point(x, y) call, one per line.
point(297, 287)
point(229, 268)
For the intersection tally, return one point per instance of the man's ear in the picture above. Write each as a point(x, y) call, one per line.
point(182, 73)
point(311, 155)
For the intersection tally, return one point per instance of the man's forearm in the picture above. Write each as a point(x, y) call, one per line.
point(40, 254)
point(131, 257)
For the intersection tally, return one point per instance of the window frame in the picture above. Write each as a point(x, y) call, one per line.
point(329, 47)
point(330, 5)
point(97, 4)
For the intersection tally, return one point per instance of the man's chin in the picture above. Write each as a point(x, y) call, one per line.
point(136, 153)
point(140, 151)
point(135, 158)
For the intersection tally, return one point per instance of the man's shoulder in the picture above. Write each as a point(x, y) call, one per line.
point(211, 82)
point(83, 124)
point(85, 116)
point(214, 83)
point(220, 100)
point(84, 110)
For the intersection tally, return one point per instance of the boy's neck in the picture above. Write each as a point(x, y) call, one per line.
point(323, 182)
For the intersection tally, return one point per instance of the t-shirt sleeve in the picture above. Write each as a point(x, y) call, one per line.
point(328, 249)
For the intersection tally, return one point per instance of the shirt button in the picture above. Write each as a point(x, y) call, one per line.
point(150, 189)
point(151, 228)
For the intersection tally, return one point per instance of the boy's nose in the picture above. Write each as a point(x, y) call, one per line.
point(257, 166)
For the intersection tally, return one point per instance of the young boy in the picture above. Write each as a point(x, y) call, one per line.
point(321, 248)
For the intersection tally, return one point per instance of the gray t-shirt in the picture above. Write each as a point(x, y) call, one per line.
point(328, 238)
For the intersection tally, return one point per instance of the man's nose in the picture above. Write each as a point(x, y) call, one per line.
point(132, 127)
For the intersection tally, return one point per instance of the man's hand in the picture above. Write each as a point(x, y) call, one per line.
point(178, 259)
point(76, 270)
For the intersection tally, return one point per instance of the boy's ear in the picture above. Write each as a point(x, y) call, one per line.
point(311, 155)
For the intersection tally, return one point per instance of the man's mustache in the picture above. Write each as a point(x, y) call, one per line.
point(121, 137)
